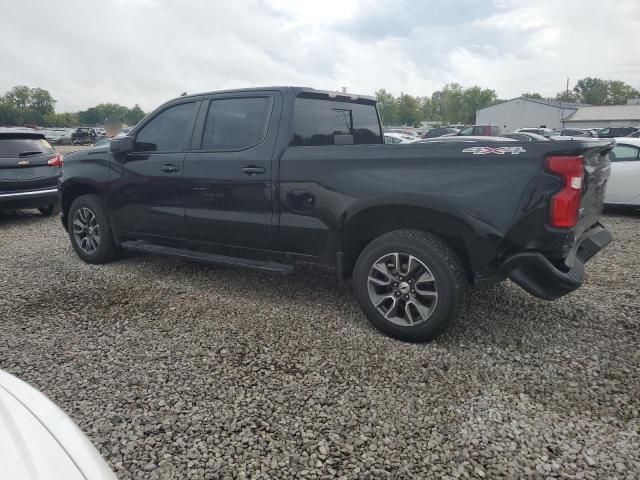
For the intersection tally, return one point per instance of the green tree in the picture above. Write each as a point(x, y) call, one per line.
point(535, 96)
point(452, 109)
point(427, 110)
point(61, 119)
point(473, 99)
point(568, 96)
point(27, 105)
point(408, 110)
point(8, 113)
point(134, 115)
point(42, 102)
point(437, 108)
point(593, 91)
point(387, 106)
point(619, 92)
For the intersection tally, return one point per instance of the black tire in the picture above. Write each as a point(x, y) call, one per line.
point(443, 263)
point(48, 210)
point(107, 249)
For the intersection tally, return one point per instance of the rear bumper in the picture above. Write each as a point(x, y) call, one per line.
point(29, 198)
point(541, 278)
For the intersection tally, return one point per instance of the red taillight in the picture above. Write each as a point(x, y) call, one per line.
point(55, 161)
point(565, 204)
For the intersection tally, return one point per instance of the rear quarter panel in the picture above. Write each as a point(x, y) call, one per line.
point(487, 200)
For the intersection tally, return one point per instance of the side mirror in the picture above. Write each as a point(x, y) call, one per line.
point(121, 145)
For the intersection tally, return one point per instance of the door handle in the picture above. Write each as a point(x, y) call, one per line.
point(251, 170)
point(168, 168)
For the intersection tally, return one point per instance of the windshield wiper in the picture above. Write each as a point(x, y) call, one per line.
point(27, 154)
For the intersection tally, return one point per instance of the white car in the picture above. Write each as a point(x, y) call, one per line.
point(394, 138)
point(38, 441)
point(623, 187)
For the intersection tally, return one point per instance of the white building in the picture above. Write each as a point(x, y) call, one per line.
point(605, 116)
point(526, 112)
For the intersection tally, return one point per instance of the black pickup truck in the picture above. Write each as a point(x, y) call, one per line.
point(266, 178)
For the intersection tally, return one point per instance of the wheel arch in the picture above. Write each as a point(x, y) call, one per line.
point(369, 223)
point(72, 191)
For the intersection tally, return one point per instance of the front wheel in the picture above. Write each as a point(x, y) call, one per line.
point(90, 231)
point(410, 284)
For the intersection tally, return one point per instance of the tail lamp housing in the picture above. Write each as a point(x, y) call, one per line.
point(565, 205)
point(55, 161)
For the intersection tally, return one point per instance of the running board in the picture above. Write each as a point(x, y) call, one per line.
point(194, 255)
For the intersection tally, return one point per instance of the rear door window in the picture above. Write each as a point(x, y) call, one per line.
point(236, 123)
point(168, 131)
point(466, 131)
point(317, 122)
point(23, 147)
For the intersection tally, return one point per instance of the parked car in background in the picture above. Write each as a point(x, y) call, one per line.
point(395, 138)
point(465, 139)
point(575, 132)
point(288, 174)
point(623, 187)
point(83, 136)
point(53, 135)
point(613, 132)
point(545, 132)
point(525, 137)
point(39, 441)
point(103, 142)
point(480, 131)
point(124, 132)
point(29, 171)
point(440, 131)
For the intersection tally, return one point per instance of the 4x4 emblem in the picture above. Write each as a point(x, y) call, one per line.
point(23, 163)
point(494, 150)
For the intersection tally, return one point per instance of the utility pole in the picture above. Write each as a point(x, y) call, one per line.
point(567, 91)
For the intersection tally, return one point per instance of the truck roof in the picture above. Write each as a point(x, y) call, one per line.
point(303, 92)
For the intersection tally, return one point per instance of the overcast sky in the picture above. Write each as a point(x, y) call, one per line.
point(148, 51)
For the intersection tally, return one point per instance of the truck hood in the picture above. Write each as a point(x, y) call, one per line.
point(38, 441)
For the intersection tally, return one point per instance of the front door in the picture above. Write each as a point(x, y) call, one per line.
point(228, 181)
point(624, 182)
point(147, 195)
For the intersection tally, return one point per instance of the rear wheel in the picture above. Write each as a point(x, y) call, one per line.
point(89, 230)
point(410, 284)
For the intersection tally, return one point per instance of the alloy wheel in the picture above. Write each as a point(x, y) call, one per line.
point(402, 288)
point(86, 230)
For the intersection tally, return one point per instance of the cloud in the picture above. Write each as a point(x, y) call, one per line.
point(148, 51)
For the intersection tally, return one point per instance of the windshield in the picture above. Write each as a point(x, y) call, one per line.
point(15, 147)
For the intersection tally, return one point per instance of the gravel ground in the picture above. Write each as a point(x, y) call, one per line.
point(177, 370)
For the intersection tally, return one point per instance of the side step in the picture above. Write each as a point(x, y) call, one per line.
point(194, 255)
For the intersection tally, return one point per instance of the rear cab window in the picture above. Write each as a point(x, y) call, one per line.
point(326, 122)
point(16, 146)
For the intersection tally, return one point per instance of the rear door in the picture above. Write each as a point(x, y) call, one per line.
point(228, 178)
point(624, 182)
point(147, 195)
point(24, 163)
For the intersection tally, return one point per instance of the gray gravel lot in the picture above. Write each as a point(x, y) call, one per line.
point(177, 370)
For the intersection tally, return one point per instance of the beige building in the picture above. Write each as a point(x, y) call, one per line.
point(526, 112)
point(605, 116)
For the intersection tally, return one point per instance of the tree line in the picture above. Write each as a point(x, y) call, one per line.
point(35, 106)
point(455, 104)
